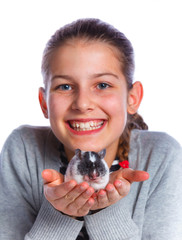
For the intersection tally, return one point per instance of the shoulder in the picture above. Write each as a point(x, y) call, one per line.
point(28, 139)
point(153, 140)
point(153, 149)
point(31, 148)
point(26, 133)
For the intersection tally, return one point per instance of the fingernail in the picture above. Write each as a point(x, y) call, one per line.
point(82, 187)
point(118, 183)
point(88, 192)
point(110, 187)
point(102, 193)
point(71, 184)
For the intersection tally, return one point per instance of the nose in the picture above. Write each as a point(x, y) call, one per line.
point(83, 101)
point(93, 176)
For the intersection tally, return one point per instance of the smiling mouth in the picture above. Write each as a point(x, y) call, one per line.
point(86, 126)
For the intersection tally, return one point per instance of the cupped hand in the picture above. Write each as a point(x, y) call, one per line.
point(118, 187)
point(68, 197)
point(78, 199)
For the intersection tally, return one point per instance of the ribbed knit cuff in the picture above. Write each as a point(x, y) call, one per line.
point(113, 222)
point(52, 224)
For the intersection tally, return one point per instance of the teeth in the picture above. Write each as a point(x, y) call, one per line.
point(91, 124)
point(86, 126)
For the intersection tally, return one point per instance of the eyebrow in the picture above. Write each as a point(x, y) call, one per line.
point(96, 75)
point(61, 76)
point(105, 74)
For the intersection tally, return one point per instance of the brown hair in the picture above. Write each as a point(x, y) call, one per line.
point(94, 29)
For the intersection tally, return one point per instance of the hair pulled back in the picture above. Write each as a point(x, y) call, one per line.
point(95, 30)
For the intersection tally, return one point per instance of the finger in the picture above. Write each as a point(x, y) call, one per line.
point(85, 196)
point(112, 194)
point(77, 192)
point(102, 199)
point(133, 175)
point(96, 204)
point(52, 176)
point(86, 208)
point(80, 200)
point(74, 200)
point(122, 186)
point(53, 193)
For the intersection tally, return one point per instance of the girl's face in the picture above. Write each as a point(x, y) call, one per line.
point(87, 98)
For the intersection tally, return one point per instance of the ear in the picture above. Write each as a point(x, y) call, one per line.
point(77, 152)
point(42, 102)
point(135, 97)
point(102, 153)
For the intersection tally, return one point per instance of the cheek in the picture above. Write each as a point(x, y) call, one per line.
point(56, 106)
point(117, 111)
point(116, 105)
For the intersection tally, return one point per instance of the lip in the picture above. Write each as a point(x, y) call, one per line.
point(89, 132)
point(85, 119)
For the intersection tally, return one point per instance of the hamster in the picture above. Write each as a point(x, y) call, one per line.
point(88, 167)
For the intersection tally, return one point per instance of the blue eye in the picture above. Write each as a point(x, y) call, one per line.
point(64, 87)
point(102, 85)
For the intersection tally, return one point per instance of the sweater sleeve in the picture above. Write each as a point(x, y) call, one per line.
point(23, 212)
point(163, 211)
point(51, 224)
point(114, 222)
point(17, 208)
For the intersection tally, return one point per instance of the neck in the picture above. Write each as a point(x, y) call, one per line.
point(69, 154)
point(110, 153)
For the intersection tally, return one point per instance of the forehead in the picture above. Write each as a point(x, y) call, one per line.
point(85, 42)
point(91, 52)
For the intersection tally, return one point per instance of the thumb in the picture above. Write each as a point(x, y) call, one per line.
point(52, 177)
point(134, 175)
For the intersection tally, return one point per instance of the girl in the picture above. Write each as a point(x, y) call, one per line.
point(91, 102)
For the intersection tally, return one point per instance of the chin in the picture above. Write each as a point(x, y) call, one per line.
point(89, 147)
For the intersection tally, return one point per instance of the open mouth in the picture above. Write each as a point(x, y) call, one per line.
point(86, 126)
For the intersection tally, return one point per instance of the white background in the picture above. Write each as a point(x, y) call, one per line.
point(153, 26)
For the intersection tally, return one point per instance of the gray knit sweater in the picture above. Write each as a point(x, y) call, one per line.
point(152, 210)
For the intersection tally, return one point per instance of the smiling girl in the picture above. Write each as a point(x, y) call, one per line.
point(91, 102)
